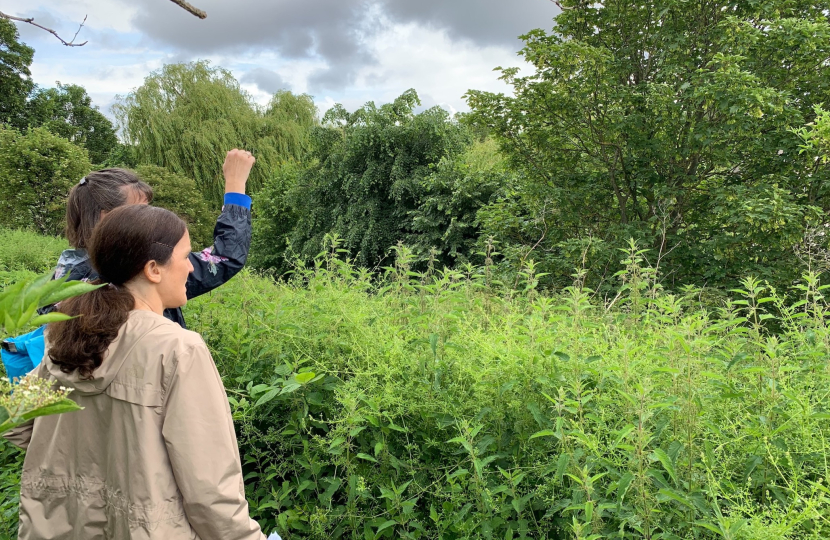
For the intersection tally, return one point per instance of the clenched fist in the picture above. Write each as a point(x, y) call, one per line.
point(236, 169)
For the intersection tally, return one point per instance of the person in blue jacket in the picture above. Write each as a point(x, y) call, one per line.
point(102, 191)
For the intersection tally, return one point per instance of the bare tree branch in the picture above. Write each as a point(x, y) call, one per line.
point(187, 7)
point(78, 31)
point(31, 20)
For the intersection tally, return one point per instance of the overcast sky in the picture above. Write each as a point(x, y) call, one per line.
point(339, 51)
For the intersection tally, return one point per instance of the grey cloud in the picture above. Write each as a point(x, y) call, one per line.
point(484, 22)
point(296, 28)
point(266, 80)
point(332, 30)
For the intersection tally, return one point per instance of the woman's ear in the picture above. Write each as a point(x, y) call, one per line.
point(152, 272)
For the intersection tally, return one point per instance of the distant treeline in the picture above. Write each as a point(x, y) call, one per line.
point(696, 129)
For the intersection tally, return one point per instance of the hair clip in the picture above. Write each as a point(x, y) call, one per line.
point(83, 181)
point(163, 244)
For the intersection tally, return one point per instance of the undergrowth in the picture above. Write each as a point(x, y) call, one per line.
point(24, 250)
point(447, 405)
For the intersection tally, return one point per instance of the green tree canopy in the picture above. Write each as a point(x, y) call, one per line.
point(369, 176)
point(68, 111)
point(180, 195)
point(446, 218)
point(185, 117)
point(670, 121)
point(37, 169)
point(15, 77)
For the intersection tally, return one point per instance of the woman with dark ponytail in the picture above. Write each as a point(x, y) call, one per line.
point(153, 453)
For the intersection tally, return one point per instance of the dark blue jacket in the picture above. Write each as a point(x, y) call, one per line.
point(212, 266)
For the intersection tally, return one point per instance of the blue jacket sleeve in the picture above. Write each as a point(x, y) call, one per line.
point(217, 264)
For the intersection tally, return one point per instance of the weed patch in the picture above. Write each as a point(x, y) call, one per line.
point(446, 405)
point(432, 406)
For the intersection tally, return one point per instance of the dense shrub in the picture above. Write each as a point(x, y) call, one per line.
point(434, 406)
point(11, 463)
point(446, 218)
point(181, 195)
point(274, 218)
point(444, 405)
point(368, 176)
point(37, 169)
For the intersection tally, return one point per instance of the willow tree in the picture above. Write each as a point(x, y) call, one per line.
point(185, 117)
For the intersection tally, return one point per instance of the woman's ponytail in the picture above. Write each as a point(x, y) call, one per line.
point(80, 343)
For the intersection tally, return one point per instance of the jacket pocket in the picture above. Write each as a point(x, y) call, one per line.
point(146, 395)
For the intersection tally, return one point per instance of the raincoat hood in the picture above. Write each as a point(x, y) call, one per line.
point(138, 325)
point(71, 259)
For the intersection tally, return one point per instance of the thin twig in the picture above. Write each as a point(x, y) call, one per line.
point(78, 31)
point(187, 7)
point(31, 20)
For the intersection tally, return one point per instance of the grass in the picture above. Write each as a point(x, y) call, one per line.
point(445, 405)
point(23, 250)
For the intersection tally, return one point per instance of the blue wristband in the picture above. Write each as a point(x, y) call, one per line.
point(239, 199)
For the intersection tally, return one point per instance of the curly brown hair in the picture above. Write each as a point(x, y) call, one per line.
point(124, 241)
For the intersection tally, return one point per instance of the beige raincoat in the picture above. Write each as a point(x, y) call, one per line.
point(153, 455)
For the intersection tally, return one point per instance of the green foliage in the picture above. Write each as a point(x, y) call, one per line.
point(67, 111)
point(441, 405)
point(11, 463)
point(369, 176)
point(444, 405)
point(31, 398)
point(24, 250)
point(37, 170)
point(19, 301)
point(180, 195)
point(15, 77)
point(185, 118)
point(122, 156)
point(274, 219)
point(673, 122)
point(452, 194)
point(816, 137)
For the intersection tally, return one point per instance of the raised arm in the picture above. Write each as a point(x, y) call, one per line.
point(217, 264)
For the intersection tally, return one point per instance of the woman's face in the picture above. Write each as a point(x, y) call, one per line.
point(172, 287)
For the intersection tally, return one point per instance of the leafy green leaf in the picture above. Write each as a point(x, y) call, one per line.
point(304, 378)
